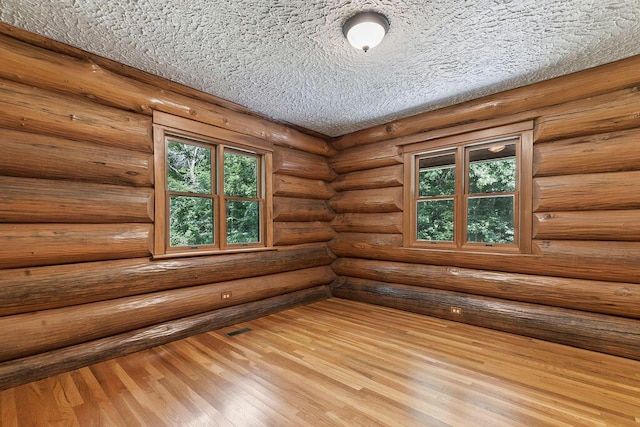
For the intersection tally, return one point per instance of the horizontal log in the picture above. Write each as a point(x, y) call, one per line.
point(40, 111)
point(377, 200)
point(294, 209)
point(302, 165)
point(26, 245)
point(368, 222)
point(615, 261)
point(607, 152)
point(297, 233)
point(602, 191)
point(606, 261)
point(56, 47)
point(42, 68)
point(292, 186)
point(604, 113)
point(597, 332)
point(33, 368)
point(390, 176)
point(38, 156)
point(436, 138)
point(199, 128)
point(372, 245)
point(38, 200)
point(618, 299)
point(367, 157)
point(583, 84)
point(588, 225)
point(29, 289)
point(28, 334)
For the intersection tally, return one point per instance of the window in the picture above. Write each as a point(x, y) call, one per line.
point(470, 192)
point(212, 194)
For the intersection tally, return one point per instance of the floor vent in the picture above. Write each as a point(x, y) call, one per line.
point(237, 332)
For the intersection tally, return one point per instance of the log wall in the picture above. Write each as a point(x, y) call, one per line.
point(580, 285)
point(77, 282)
point(301, 211)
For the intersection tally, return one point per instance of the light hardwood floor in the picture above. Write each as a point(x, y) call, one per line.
point(338, 362)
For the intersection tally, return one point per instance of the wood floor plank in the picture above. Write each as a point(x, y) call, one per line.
point(62, 402)
point(340, 363)
point(8, 410)
point(232, 400)
point(71, 393)
point(35, 404)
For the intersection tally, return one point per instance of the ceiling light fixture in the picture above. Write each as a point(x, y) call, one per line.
point(366, 30)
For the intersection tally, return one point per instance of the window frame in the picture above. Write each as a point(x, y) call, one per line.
point(460, 145)
point(165, 127)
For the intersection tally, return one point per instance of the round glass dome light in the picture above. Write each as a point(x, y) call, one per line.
point(365, 30)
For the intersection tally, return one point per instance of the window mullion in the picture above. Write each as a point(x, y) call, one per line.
point(222, 201)
point(261, 196)
point(460, 199)
point(215, 179)
point(165, 196)
point(415, 196)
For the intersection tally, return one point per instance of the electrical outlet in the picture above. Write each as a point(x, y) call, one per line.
point(225, 295)
point(456, 310)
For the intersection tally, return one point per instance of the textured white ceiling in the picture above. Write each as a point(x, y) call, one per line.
point(288, 59)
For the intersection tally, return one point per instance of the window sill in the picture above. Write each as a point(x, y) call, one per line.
point(171, 255)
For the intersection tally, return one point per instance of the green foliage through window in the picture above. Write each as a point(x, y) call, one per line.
point(240, 184)
point(191, 218)
point(440, 181)
point(191, 221)
point(437, 175)
point(193, 194)
point(490, 186)
point(240, 175)
point(435, 220)
point(188, 168)
point(492, 171)
point(490, 219)
point(243, 221)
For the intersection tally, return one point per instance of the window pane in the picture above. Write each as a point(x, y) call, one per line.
point(435, 220)
point(437, 176)
point(188, 168)
point(490, 219)
point(243, 221)
point(240, 175)
point(492, 169)
point(191, 221)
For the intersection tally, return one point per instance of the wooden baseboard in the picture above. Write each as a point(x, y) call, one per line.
point(24, 370)
point(598, 332)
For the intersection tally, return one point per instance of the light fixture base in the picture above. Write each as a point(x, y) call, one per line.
point(365, 30)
